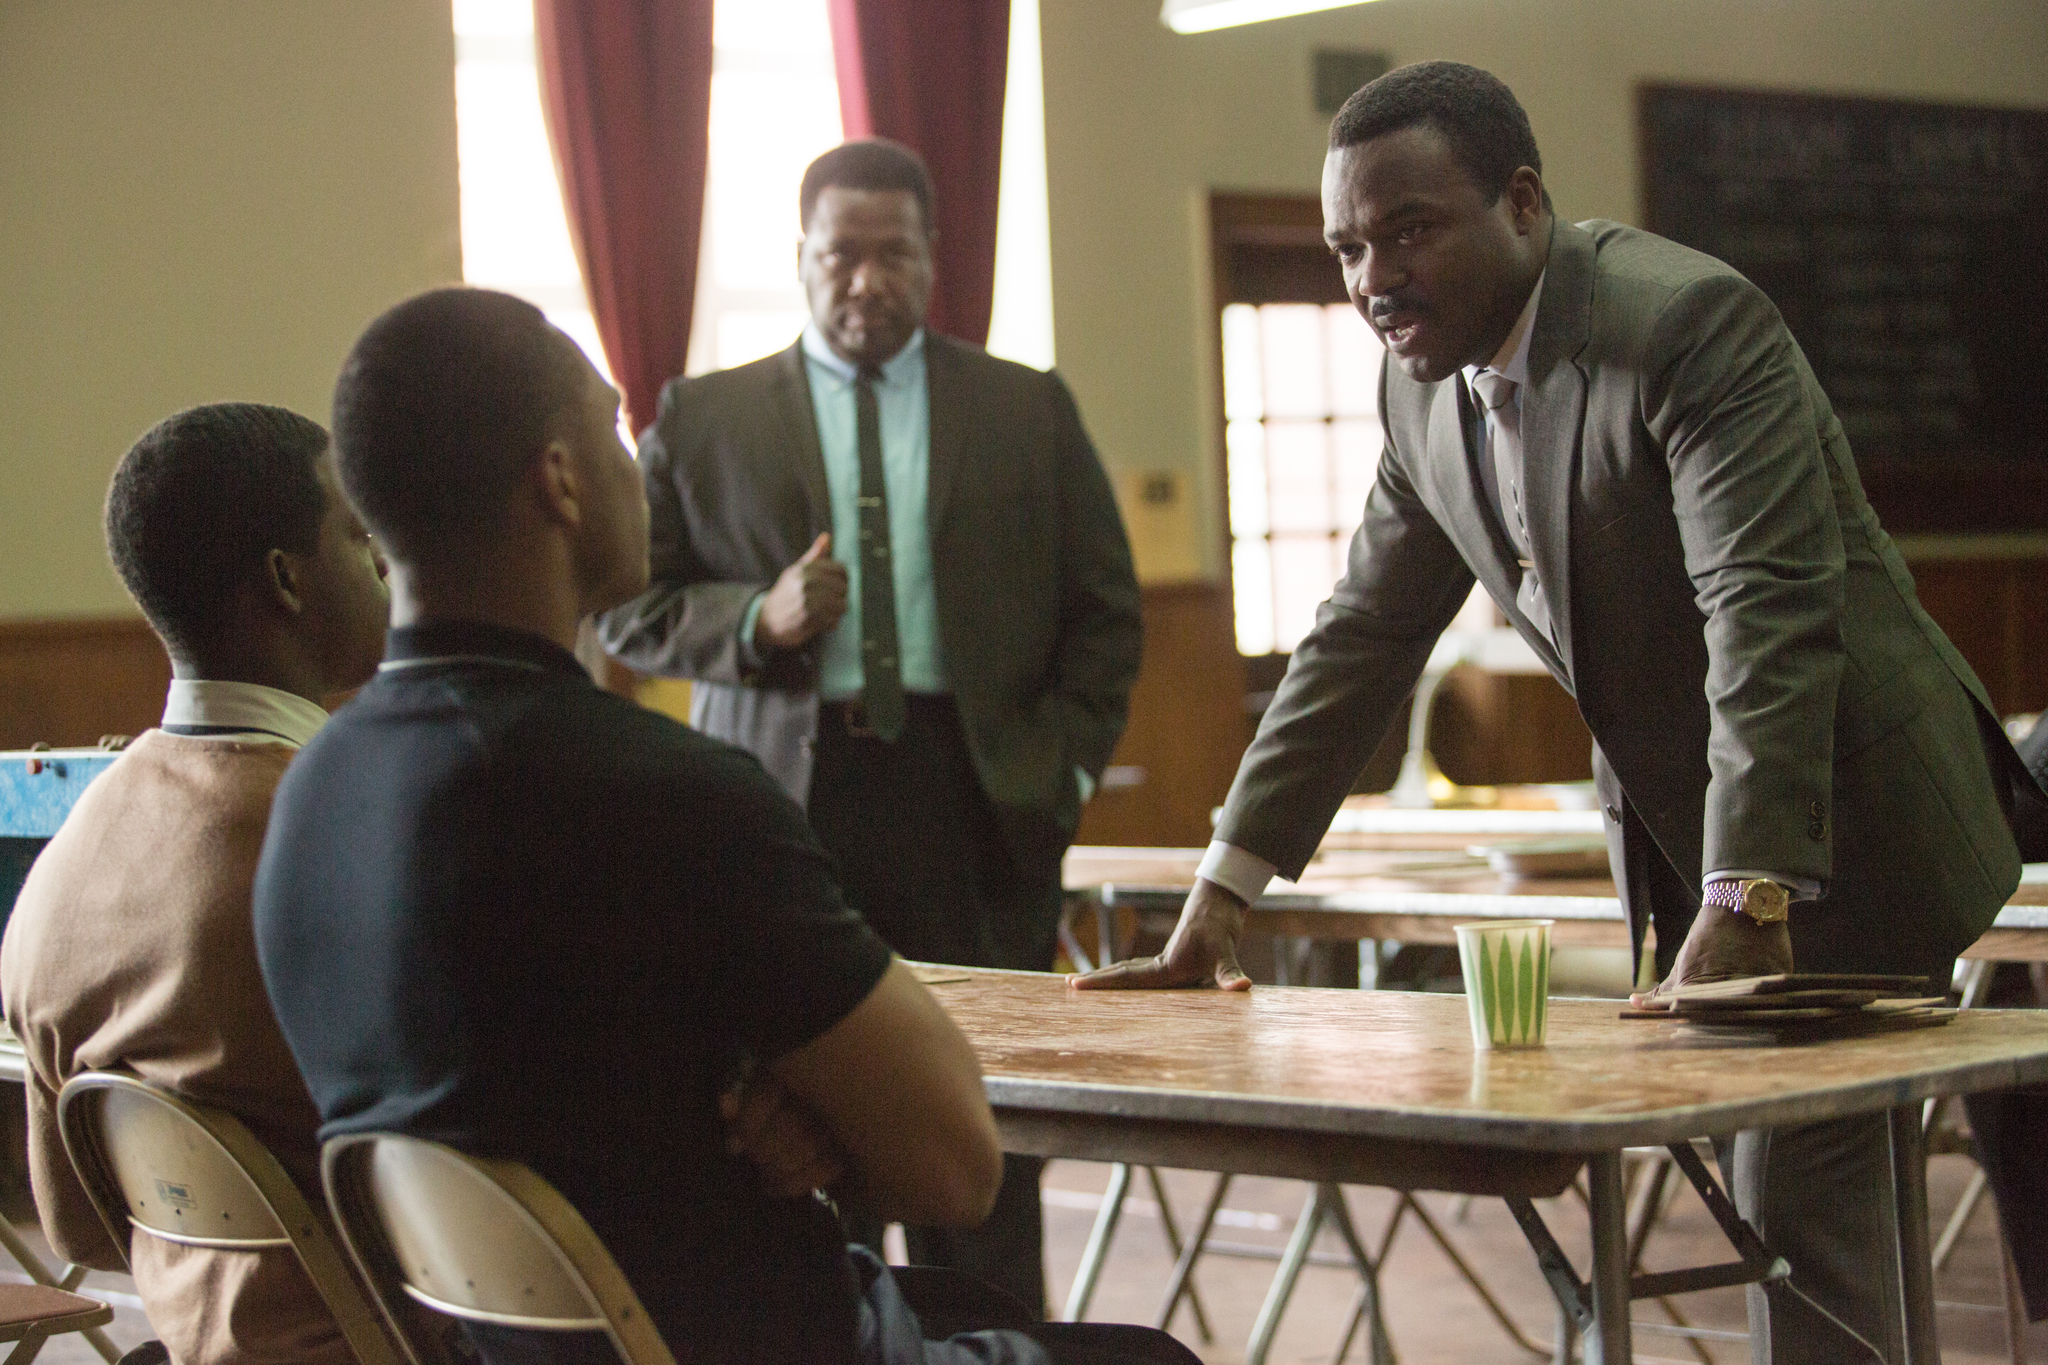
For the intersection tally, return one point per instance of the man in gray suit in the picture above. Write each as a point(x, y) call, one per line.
point(1620, 439)
point(892, 566)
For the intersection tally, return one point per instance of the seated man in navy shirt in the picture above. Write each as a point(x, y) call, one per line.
point(503, 909)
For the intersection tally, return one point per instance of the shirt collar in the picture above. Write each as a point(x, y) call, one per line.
point(895, 370)
point(473, 642)
point(1511, 361)
point(267, 715)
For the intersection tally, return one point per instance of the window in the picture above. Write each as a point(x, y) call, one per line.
point(514, 234)
point(1301, 449)
point(774, 107)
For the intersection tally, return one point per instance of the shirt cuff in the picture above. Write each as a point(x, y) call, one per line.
point(748, 654)
point(1802, 888)
point(1242, 874)
point(1084, 782)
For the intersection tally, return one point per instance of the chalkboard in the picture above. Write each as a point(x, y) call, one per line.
point(1906, 245)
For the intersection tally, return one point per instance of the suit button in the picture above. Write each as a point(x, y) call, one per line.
point(1613, 813)
point(1818, 829)
point(1818, 810)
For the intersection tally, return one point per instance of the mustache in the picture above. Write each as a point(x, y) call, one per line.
point(1384, 306)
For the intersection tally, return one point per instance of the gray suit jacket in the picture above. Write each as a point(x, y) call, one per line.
point(1037, 601)
point(1741, 636)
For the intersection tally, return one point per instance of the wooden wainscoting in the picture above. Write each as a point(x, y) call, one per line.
point(1996, 612)
point(69, 682)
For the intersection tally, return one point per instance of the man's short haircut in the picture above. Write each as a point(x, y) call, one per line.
point(198, 504)
point(873, 163)
point(441, 408)
point(1478, 115)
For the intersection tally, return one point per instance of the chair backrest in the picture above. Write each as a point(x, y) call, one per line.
point(484, 1240)
point(190, 1173)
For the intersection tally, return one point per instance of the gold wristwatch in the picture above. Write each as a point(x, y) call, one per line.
point(1761, 899)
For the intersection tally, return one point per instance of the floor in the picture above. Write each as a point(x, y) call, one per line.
point(1433, 1317)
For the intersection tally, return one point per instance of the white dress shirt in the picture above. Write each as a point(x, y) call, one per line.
point(247, 712)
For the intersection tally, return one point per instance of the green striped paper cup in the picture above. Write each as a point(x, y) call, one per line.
point(1507, 980)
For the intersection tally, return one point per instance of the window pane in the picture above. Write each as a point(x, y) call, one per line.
point(1302, 578)
point(1243, 393)
point(1251, 571)
point(1292, 334)
point(1298, 476)
point(745, 334)
point(1355, 358)
point(1245, 472)
point(515, 236)
point(792, 27)
point(767, 123)
point(1357, 460)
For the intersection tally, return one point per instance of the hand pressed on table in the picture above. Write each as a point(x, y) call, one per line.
point(1201, 952)
point(1721, 946)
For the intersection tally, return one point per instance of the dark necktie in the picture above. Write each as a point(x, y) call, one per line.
point(881, 690)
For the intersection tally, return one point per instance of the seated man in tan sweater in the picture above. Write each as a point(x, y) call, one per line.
point(130, 946)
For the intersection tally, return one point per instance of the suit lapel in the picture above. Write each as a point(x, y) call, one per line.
point(947, 405)
point(799, 419)
point(1553, 418)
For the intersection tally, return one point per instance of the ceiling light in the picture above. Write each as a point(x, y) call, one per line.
point(1200, 16)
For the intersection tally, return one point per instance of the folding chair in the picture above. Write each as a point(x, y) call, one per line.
point(30, 1314)
point(480, 1240)
point(192, 1174)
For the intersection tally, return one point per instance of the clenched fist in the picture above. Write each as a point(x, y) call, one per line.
point(807, 600)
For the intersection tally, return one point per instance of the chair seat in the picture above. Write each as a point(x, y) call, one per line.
point(39, 1307)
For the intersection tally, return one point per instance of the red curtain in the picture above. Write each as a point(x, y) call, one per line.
point(626, 86)
point(929, 73)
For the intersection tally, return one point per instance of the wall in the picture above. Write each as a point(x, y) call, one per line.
point(199, 200)
point(1142, 123)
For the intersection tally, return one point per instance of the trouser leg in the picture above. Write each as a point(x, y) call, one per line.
point(1820, 1195)
point(922, 857)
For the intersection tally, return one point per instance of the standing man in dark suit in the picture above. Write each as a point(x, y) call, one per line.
point(893, 569)
point(1621, 440)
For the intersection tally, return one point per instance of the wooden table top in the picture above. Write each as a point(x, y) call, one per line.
point(1401, 1065)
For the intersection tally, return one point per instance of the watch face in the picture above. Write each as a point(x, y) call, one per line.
point(1764, 901)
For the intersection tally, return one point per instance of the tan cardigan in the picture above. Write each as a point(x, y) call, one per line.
point(131, 947)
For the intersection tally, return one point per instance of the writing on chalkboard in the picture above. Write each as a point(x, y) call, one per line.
point(1905, 244)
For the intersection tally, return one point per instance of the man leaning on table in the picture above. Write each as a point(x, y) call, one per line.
point(1620, 439)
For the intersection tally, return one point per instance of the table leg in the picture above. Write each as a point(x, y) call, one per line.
point(1097, 1250)
point(1282, 1288)
point(1176, 1250)
point(1916, 1262)
point(1608, 1342)
point(1190, 1252)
